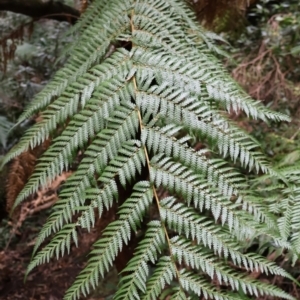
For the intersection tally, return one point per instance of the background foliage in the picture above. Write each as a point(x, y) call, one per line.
point(27, 61)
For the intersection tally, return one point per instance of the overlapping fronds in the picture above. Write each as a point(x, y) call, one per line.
point(284, 201)
point(141, 88)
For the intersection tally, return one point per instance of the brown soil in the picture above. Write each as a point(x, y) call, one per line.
point(48, 281)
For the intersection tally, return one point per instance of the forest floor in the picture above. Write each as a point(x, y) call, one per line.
point(48, 281)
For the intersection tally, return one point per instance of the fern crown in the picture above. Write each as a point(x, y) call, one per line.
point(142, 86)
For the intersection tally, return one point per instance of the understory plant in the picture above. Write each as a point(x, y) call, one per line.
point(144, 105)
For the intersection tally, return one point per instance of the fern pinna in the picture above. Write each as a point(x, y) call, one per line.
point(141, 88)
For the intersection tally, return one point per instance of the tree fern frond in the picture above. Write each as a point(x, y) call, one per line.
point(93, 11)
point(83, 127)
point(112, 241)
point(148, 249)
point(178, 294)
point(177, 178)
point(189, 22)
point(284, 222)
point(57, 246)
point(163, 275)
point(140, 88)
point(185, 220)
point(98, 81)
point(193, 282)
point(163, 141)
point(129, 159)
point(125, 166)
point(295, 218)
point(104, 148)
point(284, 201)
point(191, 79)
point(148, 19)
point(289, 222)
point(227, 179)
point(198, 285)
point(172, 104)
point(141, 197)
point(196, 258)
point(153, 31)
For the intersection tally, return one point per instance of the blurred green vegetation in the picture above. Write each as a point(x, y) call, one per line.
point(35, 48)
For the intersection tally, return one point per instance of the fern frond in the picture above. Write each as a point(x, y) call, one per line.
point(185, 220)
point(163, 275)
point(140, 88)
point(83, 127)
point(191, 79)
point(147, 250)
point(95, 83)
point(295, 219)
point(110, 244)
point(92, 12)
point(57, 246)
point(174, 105)
point(194, 283)
point(106, 250)
point(178, 294)
point(284, 201)
point(124, 165)
point(162, 140)
point(215, 171)
point(5, 126)
point(177, 178)
point(104, 148)
point(196, 258)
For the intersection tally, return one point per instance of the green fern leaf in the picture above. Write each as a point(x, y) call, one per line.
point(141, 87)
point(148, 250)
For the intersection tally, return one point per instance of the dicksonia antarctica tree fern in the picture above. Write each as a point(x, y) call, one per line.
point(141, 87)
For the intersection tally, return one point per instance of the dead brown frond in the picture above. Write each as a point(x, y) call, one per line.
point(83, 6)
point(20, 170)
point(44, 198)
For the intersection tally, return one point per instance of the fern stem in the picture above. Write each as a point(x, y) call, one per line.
point(148, 166)
point(154, 189)
point(156, 196)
